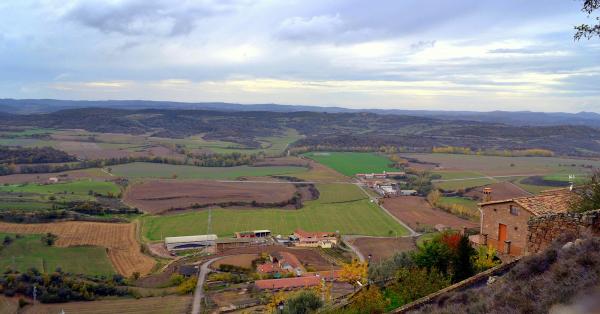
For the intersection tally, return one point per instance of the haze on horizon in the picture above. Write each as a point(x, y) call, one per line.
point(439, 55)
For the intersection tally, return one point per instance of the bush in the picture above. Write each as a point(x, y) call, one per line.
point(187, 286)
point(303, 303)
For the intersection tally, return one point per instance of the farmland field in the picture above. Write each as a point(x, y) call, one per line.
point(92, 173)
point(29, 251)
point(467, 203)
point(500, 191)
point(417, 213)
point(161, 195)
point(342, 207)
point(457, 184)
point(382, 248)
point(495, 165)
point(120, 240)
point(165, 171)
point(153, 305)
point(43, 196)
point(350, 164)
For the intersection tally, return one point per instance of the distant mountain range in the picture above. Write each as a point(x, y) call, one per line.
point(29, 106)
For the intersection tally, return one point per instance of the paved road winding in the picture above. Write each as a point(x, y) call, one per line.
point(199, 293)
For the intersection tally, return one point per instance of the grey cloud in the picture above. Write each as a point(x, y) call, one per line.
point(147, 17)
point(422, 44)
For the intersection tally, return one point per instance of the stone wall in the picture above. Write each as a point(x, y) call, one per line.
point(543, 230)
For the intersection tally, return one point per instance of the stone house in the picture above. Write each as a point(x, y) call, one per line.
point(504, 222)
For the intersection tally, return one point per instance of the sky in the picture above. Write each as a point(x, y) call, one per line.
point(393, 54)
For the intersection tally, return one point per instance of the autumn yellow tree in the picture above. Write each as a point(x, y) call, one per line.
point(354, 273)
point(369, 300)
point(277, 298)
point(434, 197)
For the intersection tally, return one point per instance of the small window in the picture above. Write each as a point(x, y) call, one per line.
point(514, 210)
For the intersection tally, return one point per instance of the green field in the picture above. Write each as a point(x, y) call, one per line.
point(29, 251)
point(350, 164)
point(341, 207)
point(154, 170)
point(42, 196)
point(463, 201)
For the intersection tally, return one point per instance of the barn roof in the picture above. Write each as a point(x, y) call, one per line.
point(194, 238)
point(547, 202)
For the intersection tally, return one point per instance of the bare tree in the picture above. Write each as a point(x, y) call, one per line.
point(589, 30)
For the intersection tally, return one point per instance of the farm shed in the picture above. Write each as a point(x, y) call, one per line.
point(230, 243)
point(190, 242)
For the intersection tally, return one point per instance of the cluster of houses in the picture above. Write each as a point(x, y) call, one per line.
point(383, 185)
point(212, 244)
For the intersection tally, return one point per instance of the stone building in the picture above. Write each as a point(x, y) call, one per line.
point(504, 223)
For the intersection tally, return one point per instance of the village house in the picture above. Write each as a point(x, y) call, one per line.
point(324, 240)
point(281, 263)
point(504, 222)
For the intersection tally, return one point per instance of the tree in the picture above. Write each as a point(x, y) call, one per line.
point(588, 196)
point(302, 303)
point(415, 283)
point(354, 272)
point(463, 262)
point(49, 239)
point(369, 301)
point(485, 259)
point(434, 197)
point(586, 30)
point(434, 254)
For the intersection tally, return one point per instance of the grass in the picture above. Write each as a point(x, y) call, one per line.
point(29, 251)
point(38, 196)
point(463, 201)
point(154, 170)
point(341, 207)
point(349, 164)
point(462, 184)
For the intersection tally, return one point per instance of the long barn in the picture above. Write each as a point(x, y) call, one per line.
point(190, 242)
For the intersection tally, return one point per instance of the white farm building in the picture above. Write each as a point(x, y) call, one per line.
point(190, 242)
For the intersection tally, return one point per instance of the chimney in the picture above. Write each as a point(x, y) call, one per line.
point(487, 195)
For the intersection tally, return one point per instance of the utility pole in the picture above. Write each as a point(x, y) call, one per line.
point(34, 293)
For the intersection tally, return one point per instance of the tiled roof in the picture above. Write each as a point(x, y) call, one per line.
point(287, 283)
point(268, 268)
point(547, 202)
point(314, 235)
point(290, 259)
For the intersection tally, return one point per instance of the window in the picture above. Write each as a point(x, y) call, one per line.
point(514, 210)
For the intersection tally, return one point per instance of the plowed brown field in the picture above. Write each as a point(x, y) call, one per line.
point(123, 248)
point(160, 195)
point(416, 212)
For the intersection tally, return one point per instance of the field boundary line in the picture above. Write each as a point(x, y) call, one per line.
point(492, 178)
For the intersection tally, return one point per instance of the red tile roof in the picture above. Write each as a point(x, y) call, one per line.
point(313, 235)
point(547, 202)
point(268, 268)
point(288, 283)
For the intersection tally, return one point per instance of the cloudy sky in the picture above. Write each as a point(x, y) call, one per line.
point(405, 54)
